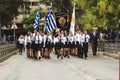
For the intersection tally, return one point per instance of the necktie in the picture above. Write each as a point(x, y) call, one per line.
point(85, 39)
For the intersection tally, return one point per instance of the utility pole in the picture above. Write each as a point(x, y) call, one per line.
point(0, 30)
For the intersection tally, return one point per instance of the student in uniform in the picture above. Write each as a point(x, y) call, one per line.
point(58, 45)
point(56, 42)
point(76, 43)
point(21, 41)
point(61, 44)
point(80, 48)
point(43, 45)
point(36, 46)
point(66, 44)
point(33, 42)
point(71, 43)
point(28, 44)
point(39, 45)
point(86, 38)
point(48, 45)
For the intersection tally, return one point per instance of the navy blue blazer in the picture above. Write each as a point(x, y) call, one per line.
point(93, 39)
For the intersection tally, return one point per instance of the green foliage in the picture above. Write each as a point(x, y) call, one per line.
point(100, 13)
point(29, 20)
point(8, 9)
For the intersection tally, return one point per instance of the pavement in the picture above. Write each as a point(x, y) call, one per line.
point(110, 54)
point(99, 67)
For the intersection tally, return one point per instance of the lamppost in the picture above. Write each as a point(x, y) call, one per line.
point(14, 27)
point(0, 30)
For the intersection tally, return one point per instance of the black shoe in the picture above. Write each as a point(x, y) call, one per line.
point(68, 56)
point(57, 56)
point(48, 57)
point(94, 54)
point(85, 57)
point(39, 58)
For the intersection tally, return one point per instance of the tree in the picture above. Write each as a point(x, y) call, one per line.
point(8, 9)
point(100, 13)
point(29, 20)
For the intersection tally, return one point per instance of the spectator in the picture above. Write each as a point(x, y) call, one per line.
point(112, 36)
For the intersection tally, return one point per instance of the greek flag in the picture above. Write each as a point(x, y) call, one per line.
point(51, 24)
point(36, 23)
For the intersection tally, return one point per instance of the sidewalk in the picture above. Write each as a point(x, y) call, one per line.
point(113, 55)
point(109, 54)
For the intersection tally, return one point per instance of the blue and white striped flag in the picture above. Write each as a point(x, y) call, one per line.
point(51, 24)
point(36, 23)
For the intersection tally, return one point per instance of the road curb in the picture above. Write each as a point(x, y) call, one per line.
point(115, 56)
point(8, 55)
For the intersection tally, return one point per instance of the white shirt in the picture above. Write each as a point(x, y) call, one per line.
point(36, 39)
point(74, 39)
point(64, 39)
point(40, 39)
point(28, 39)
point(49, 38)
point(94, 34)
point(21, 41)
point(71, 38)
point(77, 37)
point(56, 40)
point(44, 40)
point(81, 38)
point(87, 38)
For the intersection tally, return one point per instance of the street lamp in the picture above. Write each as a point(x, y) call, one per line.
point(0, 30)
point(14, 27)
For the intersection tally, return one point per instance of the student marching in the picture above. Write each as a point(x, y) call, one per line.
point(41, 44)
point(64, 44)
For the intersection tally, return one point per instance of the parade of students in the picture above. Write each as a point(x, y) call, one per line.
point(64, 44)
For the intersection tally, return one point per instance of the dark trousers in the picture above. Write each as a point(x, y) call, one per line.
point(94, 48)
point(80, 51)
point(56, 48)
point(20, 48)
point(85, 49)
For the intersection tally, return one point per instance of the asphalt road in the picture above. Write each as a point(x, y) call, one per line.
point(20, 67)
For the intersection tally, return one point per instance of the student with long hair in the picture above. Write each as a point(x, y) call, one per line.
point(21, 41)
point(61, 44)
point(66, 44)
point(39, 54)
point(71, 43)
point(28, 43)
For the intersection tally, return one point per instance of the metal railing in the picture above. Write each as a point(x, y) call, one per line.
point(6, 49)
point(109, 46)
